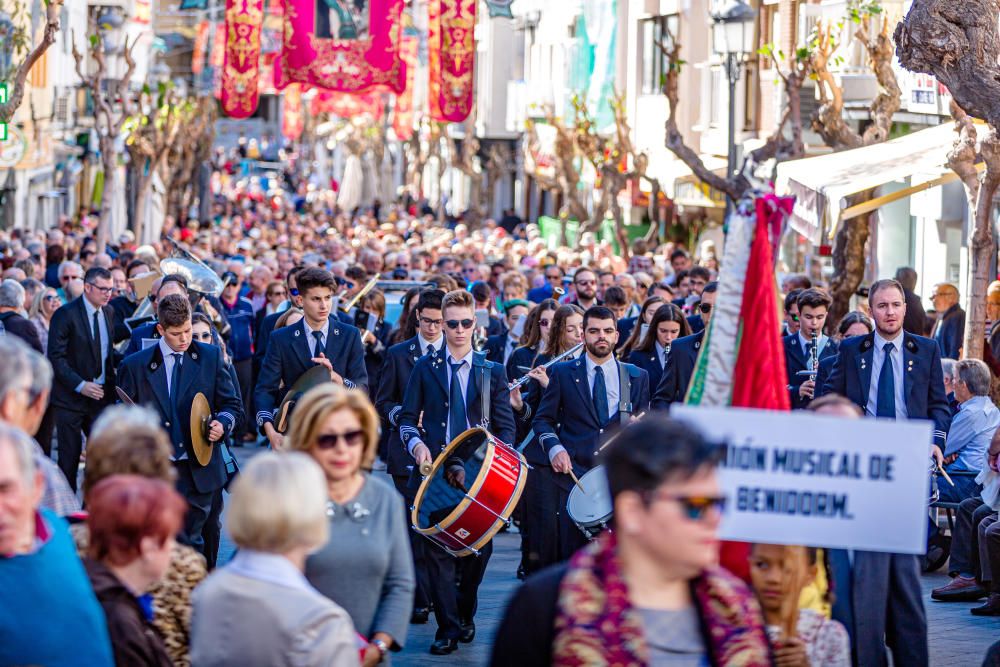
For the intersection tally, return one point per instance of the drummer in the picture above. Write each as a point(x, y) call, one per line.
point(584, 397)
point(443, 395)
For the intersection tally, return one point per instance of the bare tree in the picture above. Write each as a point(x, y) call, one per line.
point(192, 148)
point(957, 41)
point(466, 161)
point(20, 42)
point(565, 177)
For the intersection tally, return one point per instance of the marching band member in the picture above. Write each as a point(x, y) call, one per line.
point(583, 398)
point(852, 324)
point(500, 348)
point(167, 376)
point(320, 339)
point(399, 362)
point(444, 396)
point(532, 342)
point(668, 324)
point(631, 330)
point(683, 354)
point(813, 305)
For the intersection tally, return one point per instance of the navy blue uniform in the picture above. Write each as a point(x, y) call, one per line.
point(796, 360)
point(143, 377)
point(678, 371)
point(496, 347)
point(649, 362)
point(289, 355)
point(625, 327)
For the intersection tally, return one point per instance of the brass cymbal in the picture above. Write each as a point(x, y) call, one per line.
point(313, 377)
point(201, 417)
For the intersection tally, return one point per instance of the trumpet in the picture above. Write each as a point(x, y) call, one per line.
point(360, 295)
point(523, 379)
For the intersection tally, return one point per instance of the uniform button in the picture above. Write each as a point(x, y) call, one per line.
point(442, 424)
point(168, 424)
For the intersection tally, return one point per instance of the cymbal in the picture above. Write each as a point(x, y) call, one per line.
point(313, 377)
point(201, 416)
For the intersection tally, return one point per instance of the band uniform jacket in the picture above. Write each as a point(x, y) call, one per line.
point(71, 351)
point(625, 327)
point(289, 355)
point(143, 378)
point(796, 360)
point(531, 394)
point(649, 362)
point(566, 415)
point(399, 362)
point(678, 371)
point(495, 347)
point(427, 392)
point(851, 376)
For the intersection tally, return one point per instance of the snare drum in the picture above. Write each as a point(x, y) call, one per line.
point(463, 520)
point(591, 508)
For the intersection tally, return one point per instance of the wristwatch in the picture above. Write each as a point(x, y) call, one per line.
point(382, 647)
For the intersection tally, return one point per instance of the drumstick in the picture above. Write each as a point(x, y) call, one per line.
point(577, 482)
point(425, 468)
point(941, 470)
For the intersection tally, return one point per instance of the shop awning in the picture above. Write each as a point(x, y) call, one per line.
point(689, 190)
point(822, 184)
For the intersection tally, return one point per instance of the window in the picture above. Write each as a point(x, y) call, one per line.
point(656, 31)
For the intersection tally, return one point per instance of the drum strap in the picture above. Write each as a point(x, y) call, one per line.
point(624, 394)
point(479, 361)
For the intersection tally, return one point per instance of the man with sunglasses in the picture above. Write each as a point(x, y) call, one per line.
point(70, 281)
point(791, 308)
point(399, 362)
point(585, 288)
point(553, 280)
point(83, 359)
point(683, 353)
point(445, 396)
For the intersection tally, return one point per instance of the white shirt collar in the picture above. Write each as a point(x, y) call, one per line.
point(467, 358)
point(660, 349)
point(271, 568)
point(422, 343)
point(166, 350)
point(880, 342)
point(309, 332)
point(609, 366)
point(91, 308)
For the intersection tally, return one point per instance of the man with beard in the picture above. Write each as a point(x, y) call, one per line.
point(584, 398)
point(683, 353)
point(585, 286)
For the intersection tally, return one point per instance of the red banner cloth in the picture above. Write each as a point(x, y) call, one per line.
point(451, 53)
point(244, 19)
point(343, 105)
point(292, 121)
point(402, 117)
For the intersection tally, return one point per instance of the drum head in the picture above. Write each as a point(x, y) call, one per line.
point(593, 504)
point(441, 497)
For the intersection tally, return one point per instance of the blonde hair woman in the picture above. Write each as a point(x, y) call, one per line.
point(365, 566)
point(277, 517)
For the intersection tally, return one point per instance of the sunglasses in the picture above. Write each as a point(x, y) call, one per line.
point(705, 307)
point(207, 337)
point(329, 441)
point(51, 297)
point(428, 322)
point(586, 282)
point(454, 324)
point(544, 322)
point(554, 277)
point(695, 507)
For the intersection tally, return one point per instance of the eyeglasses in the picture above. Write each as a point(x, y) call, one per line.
point(695, 507)
point(428, 322)
point(454, 324)
point(329, 441)
point(206, 337)
point(705, 307)
point(281, 294)
point(102, 290)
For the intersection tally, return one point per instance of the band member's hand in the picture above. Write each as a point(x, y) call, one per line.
point(334, 375)
point(807, 389)
point(791, 652)
point(372, 657)
point(367, 337)
point(540, 375)
point(951, 459)
point(215, 431)
point(93, 390)
point(421, 454)
point(455, 476)
point(516, 400)
point(937, 455)
point(276, 439)
point(561, 463)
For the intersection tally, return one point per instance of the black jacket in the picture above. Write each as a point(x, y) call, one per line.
point(394, 374)
point(71, 351)
point(678, 371)
point(16, 325)
point(915, 321)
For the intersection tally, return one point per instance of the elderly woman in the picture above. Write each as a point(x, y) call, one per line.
point(259, 609)
point(366, 565)
point(45, 303)
point(132, 522)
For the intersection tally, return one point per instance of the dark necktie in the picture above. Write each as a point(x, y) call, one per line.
point(885, 405)
point(175, 375)
point(430, 350)
point(457, 419)
point(600, 397)
point(97, 341)
point(318, 350)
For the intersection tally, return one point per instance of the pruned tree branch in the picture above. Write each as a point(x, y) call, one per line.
point(20, 78)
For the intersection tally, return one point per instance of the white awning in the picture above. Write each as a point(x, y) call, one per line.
point(822, 184)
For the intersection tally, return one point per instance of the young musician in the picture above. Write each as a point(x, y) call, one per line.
point(683, 353)
point(808, 346)
point(319, 339)
point(167, 376)
point(499, 348)
point(443, 398)
point(668, 324)
point(584, 397)
point(532, 342)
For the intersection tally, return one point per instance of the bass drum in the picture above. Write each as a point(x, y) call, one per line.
point(463, 515)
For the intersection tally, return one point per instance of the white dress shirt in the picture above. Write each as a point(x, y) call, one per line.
point(102, 324)
point(312, 339)
point(463, 379)
point(610, 368)
point(804, 345)
point(660, 349)
point(422, 343)
point(878, 359)
point(168, 361)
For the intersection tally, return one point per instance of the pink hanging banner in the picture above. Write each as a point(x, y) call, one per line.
point(240, 71)
point(292, 121)
point(342, 45)
point(343, 105)
point(451, 51)
point(402, 117)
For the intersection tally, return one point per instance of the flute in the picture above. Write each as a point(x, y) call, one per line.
point(523, 379)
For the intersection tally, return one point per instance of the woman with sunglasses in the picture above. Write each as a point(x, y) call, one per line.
point(633, 330)
point(365, 565)
point(45, 303)
point(667, 325)
point(536, 329)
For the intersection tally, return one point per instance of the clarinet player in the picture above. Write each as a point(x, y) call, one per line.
point(805, 349)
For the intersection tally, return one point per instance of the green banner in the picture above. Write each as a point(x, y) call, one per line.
point(551, 231)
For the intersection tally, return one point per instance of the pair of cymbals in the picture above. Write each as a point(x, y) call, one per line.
point(201, 417)
point(313, 377)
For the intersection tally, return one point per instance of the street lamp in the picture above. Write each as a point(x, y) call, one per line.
point(732, 39)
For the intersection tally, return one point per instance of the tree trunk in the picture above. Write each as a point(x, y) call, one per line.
point(848, 261)
point(144, 183)
point(109, 162)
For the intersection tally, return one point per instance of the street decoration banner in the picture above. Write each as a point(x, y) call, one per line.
point(403, 113)
point(451, 58)
point(806, 479)
point(200, 47)
point(292, 120)
point(242, 53)
point(342, 45)
point(343, 105)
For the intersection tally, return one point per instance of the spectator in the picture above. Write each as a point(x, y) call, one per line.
point(915, 320)
point(791, 312)
point(45, 303)
point(365, 565)
point(15, 324)
point(795, 281)
point(948, 368)
point(277, 517)
point(680, 260)
point(132, 522)
point(553, 281)
point(949, 328)
point(49, 614)
point(70, 281)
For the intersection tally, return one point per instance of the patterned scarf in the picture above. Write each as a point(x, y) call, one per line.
point(596, 624)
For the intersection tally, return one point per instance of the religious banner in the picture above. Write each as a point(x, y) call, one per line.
point(292, 120)
point(451, 51)
point(342, 45)
point(200, 47)
point(241, 70)
point(343, 105)
point(402, 117)
point(217, 58)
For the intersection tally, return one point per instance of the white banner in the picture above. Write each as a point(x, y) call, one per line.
point(802, 478)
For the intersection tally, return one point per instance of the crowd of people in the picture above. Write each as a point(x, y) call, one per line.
point(111, 505)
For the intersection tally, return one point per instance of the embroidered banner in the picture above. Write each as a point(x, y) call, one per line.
point(200, 47)
point(402, 117)
point(347, 106)
point(451, 50)
point(342, 45)
point(240, 72)
point(217, 58)
point(292, 121)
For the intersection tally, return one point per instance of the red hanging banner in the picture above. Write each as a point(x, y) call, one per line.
point(200, 47)
point(402, 117)
point(292, 122)
point(452, 50)
point(347, 106)
point(240, 72)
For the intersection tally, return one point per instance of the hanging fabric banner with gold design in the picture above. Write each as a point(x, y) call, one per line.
point(342, 45)
point(292, 121)
point(342, 105)
point(402, 116)
point(244, 19)
point(451, 50)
